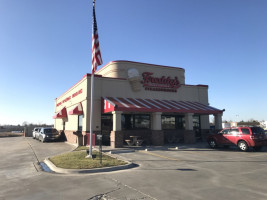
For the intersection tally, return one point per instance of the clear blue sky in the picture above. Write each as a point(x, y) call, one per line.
point(45, 48)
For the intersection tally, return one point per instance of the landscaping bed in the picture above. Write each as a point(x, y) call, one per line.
point(77, 160)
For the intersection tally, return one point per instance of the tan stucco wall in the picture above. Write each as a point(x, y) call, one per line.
point(71, 122)
point(119, 69)
point(120, 87)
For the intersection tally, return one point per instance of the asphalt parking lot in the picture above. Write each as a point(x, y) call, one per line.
point(191, 172)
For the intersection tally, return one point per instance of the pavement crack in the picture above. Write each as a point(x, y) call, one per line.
point(125, 191)
point(33, 152)
point(36, 168)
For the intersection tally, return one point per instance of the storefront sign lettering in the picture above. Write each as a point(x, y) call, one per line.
point(69, 97)
point(163, 83)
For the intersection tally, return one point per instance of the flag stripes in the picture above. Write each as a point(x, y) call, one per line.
point(96, 54)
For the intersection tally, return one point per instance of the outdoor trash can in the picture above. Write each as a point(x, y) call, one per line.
point(88, 139)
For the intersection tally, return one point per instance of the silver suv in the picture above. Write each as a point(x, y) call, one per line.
point(35, 132)
point(48, 134)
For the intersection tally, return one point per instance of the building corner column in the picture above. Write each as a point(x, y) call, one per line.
point(116, 135)
point(189, 135)
point(205, 127)
point(157, 136)
point(218, 121)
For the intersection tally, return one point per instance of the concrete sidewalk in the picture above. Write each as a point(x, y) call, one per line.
point(126, 148)
point(116, 153)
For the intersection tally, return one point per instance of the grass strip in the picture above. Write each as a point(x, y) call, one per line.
point(10, 134)
point(77, 160)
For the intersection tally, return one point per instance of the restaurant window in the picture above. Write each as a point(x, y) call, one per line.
point(172, 122)
point(168, 122)
point(80, 122)
point(130, 122)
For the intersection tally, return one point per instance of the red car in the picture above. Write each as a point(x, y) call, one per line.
point(242, 137)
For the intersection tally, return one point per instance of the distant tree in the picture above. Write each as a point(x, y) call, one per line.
point(250, 122)
point(25, 123)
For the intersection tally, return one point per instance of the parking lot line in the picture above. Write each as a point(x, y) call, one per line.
point(160, 156)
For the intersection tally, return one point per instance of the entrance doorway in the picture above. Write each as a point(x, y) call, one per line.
point(196, 127)
point(106, 128)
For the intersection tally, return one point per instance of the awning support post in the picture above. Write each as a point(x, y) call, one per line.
point(116, 120)
point(218, 121)
point(156, 121)
point(189, 121)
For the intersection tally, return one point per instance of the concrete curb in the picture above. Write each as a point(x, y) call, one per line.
point(121, 151)
point(88, 171)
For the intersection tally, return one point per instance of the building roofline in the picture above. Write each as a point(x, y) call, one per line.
point(120, 61)
point(89, 75)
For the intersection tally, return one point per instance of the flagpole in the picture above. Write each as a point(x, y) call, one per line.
point(91, 105)
point(96, 61)
point(91, 115)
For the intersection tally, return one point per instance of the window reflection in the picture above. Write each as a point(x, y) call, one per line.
point(172, 122)
point(130, 121)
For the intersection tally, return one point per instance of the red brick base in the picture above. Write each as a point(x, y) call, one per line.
point(157, 138)
point(116, 139)
point(75, 137)
point(189, 137)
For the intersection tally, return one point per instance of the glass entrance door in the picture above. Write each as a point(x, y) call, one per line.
point(106, 128)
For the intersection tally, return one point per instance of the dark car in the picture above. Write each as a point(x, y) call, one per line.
point(242, 137)
point(48, 134)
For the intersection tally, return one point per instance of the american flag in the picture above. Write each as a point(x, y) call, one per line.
point(96, 54)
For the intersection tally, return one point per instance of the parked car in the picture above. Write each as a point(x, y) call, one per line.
point(48, 134)
point(35, 132)
point(242, 137)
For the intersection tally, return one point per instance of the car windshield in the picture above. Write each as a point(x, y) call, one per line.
point(257, 130)
point(50, 130)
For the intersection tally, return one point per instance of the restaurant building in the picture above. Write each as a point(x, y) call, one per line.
point(136, 99)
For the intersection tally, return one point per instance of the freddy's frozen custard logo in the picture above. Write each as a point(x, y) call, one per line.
point(134, 79)
point(163, 83)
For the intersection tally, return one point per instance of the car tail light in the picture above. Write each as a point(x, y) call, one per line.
point(254, 137)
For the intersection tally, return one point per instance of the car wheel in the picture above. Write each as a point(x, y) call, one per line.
point(242, 145)
point(212, 143)
point(257, 148)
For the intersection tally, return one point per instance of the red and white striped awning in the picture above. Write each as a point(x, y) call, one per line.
point(110, 104)
point(61, 114)
point(77, 110)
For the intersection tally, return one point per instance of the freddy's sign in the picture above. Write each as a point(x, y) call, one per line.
point(165, 84)
point(69, 97)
